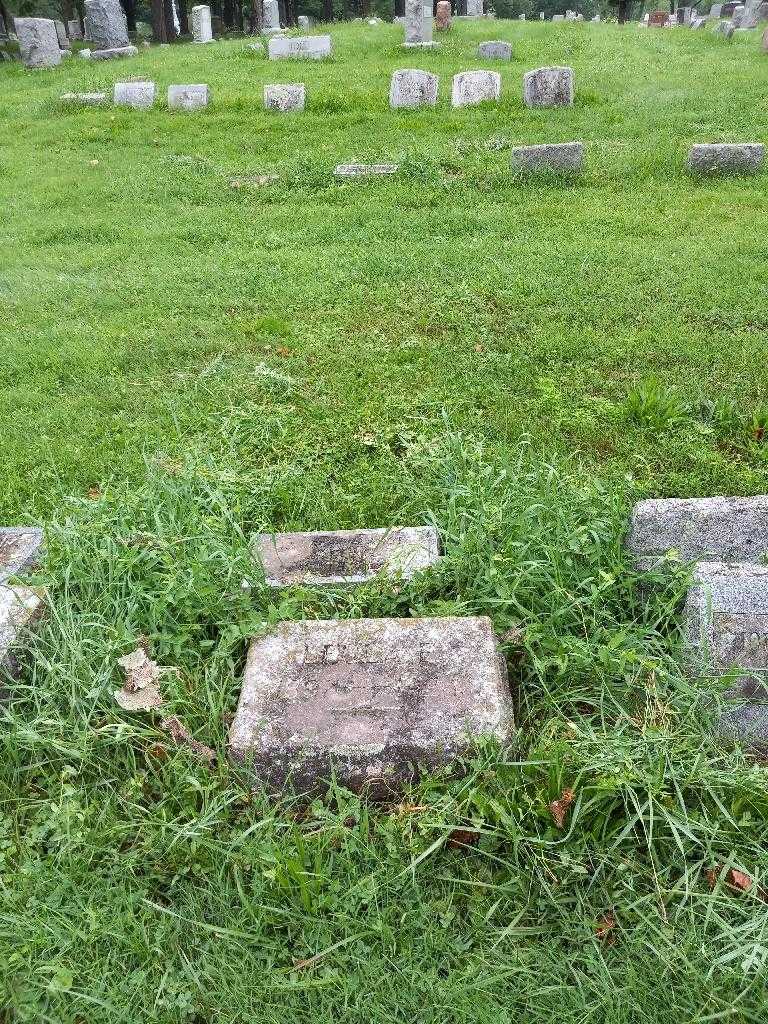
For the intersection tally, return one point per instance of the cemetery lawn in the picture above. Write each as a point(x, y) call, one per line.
point(186, 363)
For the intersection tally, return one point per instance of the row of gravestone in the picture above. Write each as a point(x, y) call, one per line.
point(371, 698)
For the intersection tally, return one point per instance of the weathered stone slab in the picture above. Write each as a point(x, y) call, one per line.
point(38, 42)
point(726, 630)
point(74, 29)
point(364, 170)
point(410, 88)
point(548, 87)
point(558, 157)
point(188, 97)
point(61, 33)
point(139, 95)
point(19, 609)
point(443, 15)
point(298, 47)
point(698, 23)
point(20, 548)
point(371, 700)
point(105, 24)
point(84, 99)
point(726, 158)
point(726, 29)
point(472, 87)
point(418, 23)
point(271, 17)
point(113, 54)
point(699, 529)
point(285, 98)
point(345, 557)
point(84, 54)
point(474, 8)
point(202, 30)
point(495, 49)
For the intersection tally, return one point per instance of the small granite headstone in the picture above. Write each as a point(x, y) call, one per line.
point(410, 88)
point(726, 631)
point(115, 53)
point(726, 158)
point(188, 97)
point(285, 98)
point(725, 29)
point(558, 157)
point(105, 24)
point(202, 30)
point(61, 32)
point(495, 49)
point(418, 23)
point(309, 47)
point(474, 8)
point(371, 701)
point(548, 87)
point(472, 87)
point(271, 20)
point(365, 170)
point(138, 95)
point(346, 557)
point(699, 529)
point(443, 15)
point(303, 21)
point(74, 29)
point(84, 99)
point(38, 42)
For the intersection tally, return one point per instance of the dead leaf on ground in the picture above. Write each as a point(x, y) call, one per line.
point(737, 880)
point(183, 737)
point(141, 690)
point(461, 837)
point(559, 808)
point(604, 929)
point(94, 493)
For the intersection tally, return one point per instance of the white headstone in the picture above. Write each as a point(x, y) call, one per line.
point(187, 97)
point(308, 47)
point(410, 88)
point(271, 21)
point(201, 24)
point(284, 98)
point(138, 95)
point(472, 87)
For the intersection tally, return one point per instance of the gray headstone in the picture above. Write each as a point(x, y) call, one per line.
point(558, 157)
point(309, 47)
point(365, 170)
point(751, 17)
point(38, 42)
point(19, 608)
point(474, 8)
point(715, 10)
point(558, 17)
point(105, 24)
point(418, 23)
point(271, 23)
point(20, 548)
point(346, 557)
point(114, 53)
point(548, 87)
point(139, 95)
point(84, 99)
point(285, 98)
point(188, 97)
point(372, 700)
point(411, 88)
point(495, 49)
point(699, 529)
point(698, 23)
point(74, 29)
point(726, 158)
point(726, 631)
point(63, 38)
point(202, 32)
point(738, 14)
point(472, 87)
point(726, 29)
point(302, 21)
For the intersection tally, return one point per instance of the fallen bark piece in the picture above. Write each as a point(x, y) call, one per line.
point(183, 737)
point(140, 690)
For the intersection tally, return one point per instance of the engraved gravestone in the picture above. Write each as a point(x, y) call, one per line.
point(548, 87)
point(105, 24)
point(418, 23)
point(38, 42)
point(285, 98)
point(472, 87)
point(202, 30)
point(307, 47)
point(411, 88)
point(370, 700)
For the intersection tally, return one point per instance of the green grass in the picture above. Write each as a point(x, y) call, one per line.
point(514, 361)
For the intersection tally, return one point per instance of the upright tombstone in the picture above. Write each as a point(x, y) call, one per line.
point(297, 47)
point(473, 87)
point(474, 8)
point(369, 701)
point(548, 87)
point(74, 29)
point(418, 23)
point(303, 21)
point(105, 24)
point(188, 97)
point(495, 49)
point(658, 19)
point(271, 19)
point(726, 632)
point(754, 13)
point(443, 15)
point(715, 10)
point(725, 29)
point(410, 88)
point(726, 157)
point(61, 32)
point(284, 99)
point(738, 14)
point(558, 17)
point(202, 30)
point(38, 42)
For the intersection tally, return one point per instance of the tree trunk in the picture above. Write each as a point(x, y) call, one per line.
point(365, 8)
point(623, 11)
point(327, 10)
point(5, 14)
point(170, 21)
point(158, 21)
point(129, 6)
point(255, 19)
point(181, 7)
point(228, 14)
